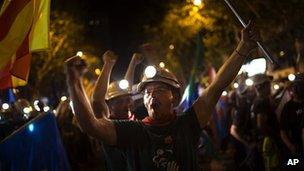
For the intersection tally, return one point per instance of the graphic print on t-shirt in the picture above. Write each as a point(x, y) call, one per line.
point(163, 155)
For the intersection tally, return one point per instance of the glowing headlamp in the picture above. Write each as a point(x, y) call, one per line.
point(150, 71)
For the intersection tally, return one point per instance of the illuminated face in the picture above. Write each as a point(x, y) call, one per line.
point(120, 106)
point(158, 99)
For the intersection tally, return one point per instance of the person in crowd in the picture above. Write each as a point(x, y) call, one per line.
point(75, 142)
point(292, 120)
point(263, 110)
point(164, 140)
point(243, 130)
point(117, 103)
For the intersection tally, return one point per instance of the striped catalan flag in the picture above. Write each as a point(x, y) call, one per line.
point(24, 26)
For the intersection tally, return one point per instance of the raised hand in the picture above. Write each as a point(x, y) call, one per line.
point(137, 58)
point(75, 67)
point(250, 35)
point(109, 57)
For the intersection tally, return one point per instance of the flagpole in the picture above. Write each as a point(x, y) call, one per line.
point(260, 45)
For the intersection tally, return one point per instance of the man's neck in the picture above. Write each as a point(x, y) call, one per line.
point(164, 120)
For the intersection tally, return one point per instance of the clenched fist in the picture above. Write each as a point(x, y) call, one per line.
point(137, 58)
point(75, 67)
point(109, 57)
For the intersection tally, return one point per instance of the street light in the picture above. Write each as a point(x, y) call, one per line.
point(46, 108)
point(171, 47)
point(276, 86)
point(162, 64)
point(63, 98)
point(249, 82)
point(197, 2)
point(291, 77)
point(5, 106)
point(79, 53)
point(26, 110)
point(235, 85)
point(97, 71)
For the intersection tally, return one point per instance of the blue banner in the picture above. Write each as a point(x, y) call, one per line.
point(35, 146)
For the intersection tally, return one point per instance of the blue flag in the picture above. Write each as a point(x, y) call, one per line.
point(189, 96)
point(10, 97)
point(35, 146)
point(191, 92)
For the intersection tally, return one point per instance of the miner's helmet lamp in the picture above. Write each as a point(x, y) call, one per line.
point(118, 88)
point(155, 74)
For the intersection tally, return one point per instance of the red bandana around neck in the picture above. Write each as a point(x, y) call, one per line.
point(152, 122)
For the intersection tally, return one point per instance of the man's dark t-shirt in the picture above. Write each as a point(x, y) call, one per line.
point(116, 158)
point(292, 121)
point(157, 146)
point(242, 120)
point(263, 106)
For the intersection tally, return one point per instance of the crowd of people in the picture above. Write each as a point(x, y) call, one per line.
point(265, 132)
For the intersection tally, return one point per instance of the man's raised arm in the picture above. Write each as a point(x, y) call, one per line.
point(226, 74)
point(103, 128)
point(136, 59)
point(99, 105)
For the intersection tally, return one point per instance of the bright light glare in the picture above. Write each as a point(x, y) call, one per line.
point(26, 110)
point(63, 98)
point(36, 102)
point(224, 93)
point(123, 84)
point(31, 127)
point(46, 108)
point(249, 82)
point(26, 116)
point(97, 71)
point(171, 47)
point(162, 64)
point(79, 53)
point(235, 85)
point(5, 106)
point(291, 77)
point(276, 86)
point(197, 2)
point(256, 66)
point(72, 107)
point(150, 71)
point(37, 108)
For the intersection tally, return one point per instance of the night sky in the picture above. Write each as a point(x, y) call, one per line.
point(116, 25)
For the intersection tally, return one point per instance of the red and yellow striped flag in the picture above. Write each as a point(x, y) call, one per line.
point(24, 26)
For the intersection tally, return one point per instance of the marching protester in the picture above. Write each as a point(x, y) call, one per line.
point(117, 103)
point(292, 121)
point(243, 129)
point(77, 144)
point(263, 110)
point(164, 140)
